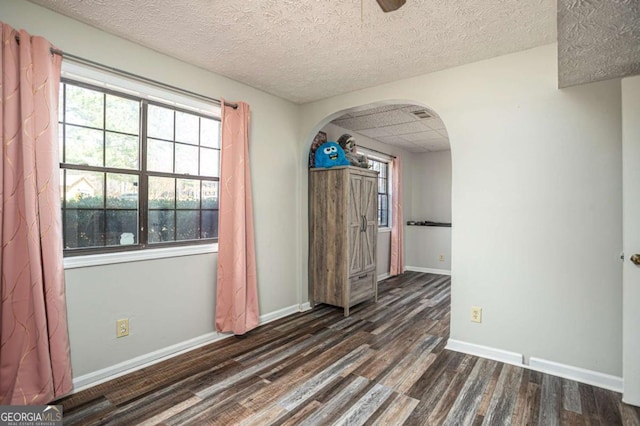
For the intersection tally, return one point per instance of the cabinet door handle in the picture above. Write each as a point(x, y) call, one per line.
point(364, 223)
point(362, 276)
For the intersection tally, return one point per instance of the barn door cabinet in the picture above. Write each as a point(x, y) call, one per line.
point(343, 234)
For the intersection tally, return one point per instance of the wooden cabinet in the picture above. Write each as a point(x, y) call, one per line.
point(343, 234)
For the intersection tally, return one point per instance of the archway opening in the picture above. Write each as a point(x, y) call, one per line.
point(417, 135)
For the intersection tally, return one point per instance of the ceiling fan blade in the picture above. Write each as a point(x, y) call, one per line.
point(391, 5)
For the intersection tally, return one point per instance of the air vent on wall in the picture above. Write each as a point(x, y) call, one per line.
point(422, 113)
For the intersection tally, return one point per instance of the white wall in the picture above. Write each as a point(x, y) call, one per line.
point(431, 190)
point(631, 291)
point(431, 195)
point(536, 203)
point(172, 300)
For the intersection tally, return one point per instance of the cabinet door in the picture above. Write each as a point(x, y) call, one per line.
point(355, 224)
point(369, 210)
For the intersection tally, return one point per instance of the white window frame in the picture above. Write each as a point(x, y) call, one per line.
point(104, 79)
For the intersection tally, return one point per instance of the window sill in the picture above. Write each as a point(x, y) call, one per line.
point(384, 229)
point(137, 256)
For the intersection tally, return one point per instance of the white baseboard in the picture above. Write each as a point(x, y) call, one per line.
point(565, 371)
point(428, 270)
point(100, 376)
point(507, 357)
point(129, 366)
point(581, 375)
point(383, 276)
point(280, 313)
point(305, 307)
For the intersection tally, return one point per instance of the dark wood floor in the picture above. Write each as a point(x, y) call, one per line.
point(384, 365)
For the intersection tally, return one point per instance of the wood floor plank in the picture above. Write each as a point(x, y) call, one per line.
point(398, 412)
point(571, 396)
point(463, 370)
point(364, 407)
point(318, 381)
point(329, 409)
point(630, 415)
point(386, 364)
point(466, 404)
point(502, 404)
point(170, 412)
point(588, 405)
point(608, 407)
point(550, 401)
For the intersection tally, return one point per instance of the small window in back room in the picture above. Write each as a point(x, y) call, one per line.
point(383, 191)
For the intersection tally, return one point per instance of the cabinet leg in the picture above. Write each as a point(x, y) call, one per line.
point(346, 311)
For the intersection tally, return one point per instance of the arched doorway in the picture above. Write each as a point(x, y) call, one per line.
point(418, 135)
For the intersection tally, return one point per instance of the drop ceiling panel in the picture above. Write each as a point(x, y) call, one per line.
point(405, 128)
point(375, 133)
point(393, 140)
point(376, 110)
point(434, 123)
point(413, 136)
point(378, 120)
point(422, 136)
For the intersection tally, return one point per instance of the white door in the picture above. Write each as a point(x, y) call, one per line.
point(631, 238)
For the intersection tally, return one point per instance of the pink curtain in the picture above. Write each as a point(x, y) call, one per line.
point(397, 251)
point(237, 292)
point(35, 366)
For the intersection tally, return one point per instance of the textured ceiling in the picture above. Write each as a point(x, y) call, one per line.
point(597, 40)
point(305, 50)
point(398, 125)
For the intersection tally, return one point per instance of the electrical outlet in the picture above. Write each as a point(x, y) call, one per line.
point(441, 258)
point(476, 314)
point(122, 327)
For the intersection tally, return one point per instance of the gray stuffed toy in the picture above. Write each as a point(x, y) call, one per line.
point(348, 144)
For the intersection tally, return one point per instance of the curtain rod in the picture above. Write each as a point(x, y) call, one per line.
point(97, 65)
point(375, 150)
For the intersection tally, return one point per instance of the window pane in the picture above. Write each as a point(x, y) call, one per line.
point(122, 191)
point(210, 224)
point(187, 159)
point(209, 195)
point(188, 196)
point(122, 227)
point(161, 225)
point(84, 107)
point(159, 156)
point(209, 162)
point(382, 186)
point(123, 115)
point(121, 151)
point(84, 189)
point(383, 170)
point(83, 146)
point(84, 228)
point(209, 133)
point(188, 225)
point(161, 193)
point(61, 103)
point(61, 143)
point(159, 122)
point(187, 127)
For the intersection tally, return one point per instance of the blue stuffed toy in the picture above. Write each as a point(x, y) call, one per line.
point(330, 154)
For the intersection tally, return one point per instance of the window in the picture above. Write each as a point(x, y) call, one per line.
point(383, 191)
point(135, 173)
